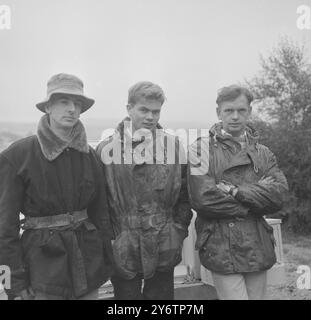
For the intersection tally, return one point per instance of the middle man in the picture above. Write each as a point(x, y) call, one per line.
point(148, 198)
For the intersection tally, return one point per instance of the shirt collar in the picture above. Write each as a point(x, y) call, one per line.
point(224, 132)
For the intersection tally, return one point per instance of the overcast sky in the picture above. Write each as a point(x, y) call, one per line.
point(189, 47)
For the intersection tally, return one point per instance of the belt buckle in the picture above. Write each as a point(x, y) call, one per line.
point(147, 223)
point(151, 221)
point(71, 218)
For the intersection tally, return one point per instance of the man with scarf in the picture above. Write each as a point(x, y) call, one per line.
point(56, 181)
point(148, 198)
point(243, 183)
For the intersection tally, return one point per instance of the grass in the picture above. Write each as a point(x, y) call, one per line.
point(297, 251)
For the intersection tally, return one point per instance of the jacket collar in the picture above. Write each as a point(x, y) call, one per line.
point(152, 151)
point(217, 133)
point(123, 130)
point(52, 145)
point(246, 155)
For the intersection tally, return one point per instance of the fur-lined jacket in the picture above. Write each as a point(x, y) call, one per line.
point(42, 176)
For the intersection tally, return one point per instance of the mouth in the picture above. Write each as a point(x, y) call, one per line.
point(148, 125)
point(69, 118)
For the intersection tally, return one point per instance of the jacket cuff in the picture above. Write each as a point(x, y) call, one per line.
point(240, 195)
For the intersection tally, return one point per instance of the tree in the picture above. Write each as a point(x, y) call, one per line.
point(282, 92)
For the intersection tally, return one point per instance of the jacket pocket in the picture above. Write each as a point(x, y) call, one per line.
point(267, 248)
point(204, 236)
point(53, 245)
point(170, 243)
point(269, 230)
point(121, 251)
point(210, 247)
point(46, 241)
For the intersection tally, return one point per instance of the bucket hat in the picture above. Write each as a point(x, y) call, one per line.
point(67, 84)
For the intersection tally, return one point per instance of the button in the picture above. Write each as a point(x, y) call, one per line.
point(231, 224)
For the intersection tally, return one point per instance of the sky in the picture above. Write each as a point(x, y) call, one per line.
point(191, 48)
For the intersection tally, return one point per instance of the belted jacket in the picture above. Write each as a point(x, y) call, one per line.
point(148, 200)
point(42, 176)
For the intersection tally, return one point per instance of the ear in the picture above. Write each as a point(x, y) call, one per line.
point(47, 109)
point(250, 110)
point(129, 107)
point(218, 113)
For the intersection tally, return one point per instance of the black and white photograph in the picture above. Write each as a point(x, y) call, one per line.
point(155, 150)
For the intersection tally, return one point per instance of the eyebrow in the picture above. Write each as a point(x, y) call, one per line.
point(239, 108)
point(64, 97)
point(144, 107)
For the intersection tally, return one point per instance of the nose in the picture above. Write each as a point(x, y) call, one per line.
point(149, 116)
point(235, 114)
point(71, 106)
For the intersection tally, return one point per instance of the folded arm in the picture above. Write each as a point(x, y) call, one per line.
point(205, 197)
point(267, 195)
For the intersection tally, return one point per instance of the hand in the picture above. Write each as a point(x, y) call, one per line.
point(26, 294)
point(224, 187)
point(234, 191)
point(266, 180)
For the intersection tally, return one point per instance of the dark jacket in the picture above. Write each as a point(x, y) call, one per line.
point(64, 262)
point(149, 207)
point(232, 235)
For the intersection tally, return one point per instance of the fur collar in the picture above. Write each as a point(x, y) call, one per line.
point(52, 145)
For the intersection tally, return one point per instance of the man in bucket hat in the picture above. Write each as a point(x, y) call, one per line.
point(56, 181)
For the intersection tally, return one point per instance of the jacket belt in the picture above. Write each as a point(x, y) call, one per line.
point(144, 222)
point(70, 241)
point(59, 220)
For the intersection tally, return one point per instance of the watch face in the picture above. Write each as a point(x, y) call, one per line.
point(231, 190)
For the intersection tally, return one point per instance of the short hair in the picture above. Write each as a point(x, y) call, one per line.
point(146, 90)
point(232, 92)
